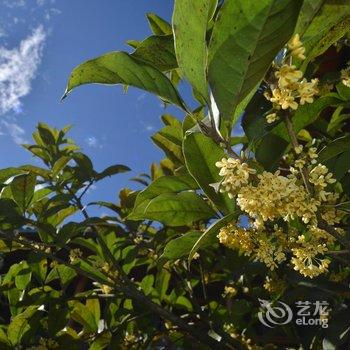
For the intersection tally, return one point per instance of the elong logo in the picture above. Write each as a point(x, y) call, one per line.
point(279, 313)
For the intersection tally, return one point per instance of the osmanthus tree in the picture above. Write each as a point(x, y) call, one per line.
point(232, 234)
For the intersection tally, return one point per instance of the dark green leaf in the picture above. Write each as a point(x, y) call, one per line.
point(121, 68)
point(166, 184)
point(209, 237)
point(157, 51)
point(22, 188)
point(112, 170)
point(240, 53)
point(158, 25)
point(201, 153)
point(190, 19)
point(173, 209)
point(181, 246)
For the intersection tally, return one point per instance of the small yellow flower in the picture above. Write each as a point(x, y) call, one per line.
point(284, 98)
point(298, 149)
point(236, 174)
point(288, 75)
point(307, 91)
point(296, 47)
point(272, 117)
point(75, 254)
point(345, 76)
point(229, 291)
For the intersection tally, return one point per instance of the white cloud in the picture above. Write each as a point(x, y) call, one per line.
point(2, 32)
point(18, 68)
point(16, 132)
point(93, 142)
point(14, 3)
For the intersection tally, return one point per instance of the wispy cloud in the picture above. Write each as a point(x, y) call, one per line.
point(14, 3)
point(18, 68)
point(15, 131)
point(93, 142)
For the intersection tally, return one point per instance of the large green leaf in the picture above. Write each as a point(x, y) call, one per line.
point(190, 20)
point(22, 188)
point(121, 68)
point(20, 325)
point(330, 24)
point(181, 246)
point(157, 51)
point(246, 38)
point(169, 139)
point(166, 184)
point(201, 153)
point(84, 316)
point(158, 25)
point(307, 14)
point(174, 209)
point(208, 238)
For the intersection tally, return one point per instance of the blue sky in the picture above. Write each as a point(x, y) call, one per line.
point(41, 41)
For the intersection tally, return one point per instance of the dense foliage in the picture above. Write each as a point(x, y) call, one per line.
point(228, 228)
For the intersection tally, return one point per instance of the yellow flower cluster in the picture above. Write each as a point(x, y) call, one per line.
point(320, 178)
point(291, 89)
point(269, 197)
point(229, 291)
point(252, 242)
point(345, 76)
point(235, 173)
point(277, 196)
point(296, 47)
point(235, 237)
point(274, 285)
point(75, 254)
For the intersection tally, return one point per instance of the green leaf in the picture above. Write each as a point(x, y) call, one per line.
point(112, 170)
point(330, 24)
point(22, 188)
point(44, 173)
point(101, 341)
point(23, 276)
point(173, 209)
point(169, 139)
point(184, 303)
point(335, 148)
point(166, 184)
point(343, 91)
point(94, 306)
point(7, 173)
point(59, 165)
point(190, 19)
point(307, 14)
point(147, 284)
point(273, 144)
point(5, 344)
point(157, 51)
point(121, 68)
point(84, 316)
point(181, 246)
point(19, 325)
point(46, 134)
point(62, 272)
point(240, 53)
point(158, 25)
point(38, 266)
point(201, 153)
point(209, 237)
